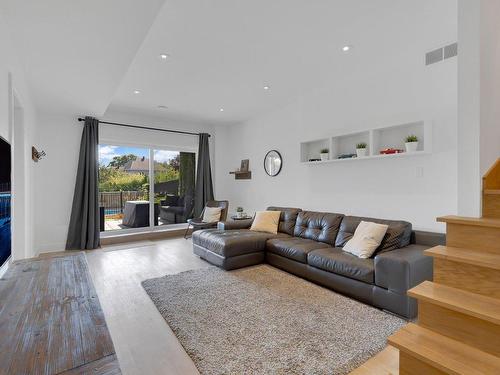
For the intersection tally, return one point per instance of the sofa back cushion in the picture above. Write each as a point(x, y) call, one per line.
point(318, 226)
point(288, 218)
point(398, 234)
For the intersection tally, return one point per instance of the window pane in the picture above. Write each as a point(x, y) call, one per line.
point(174, 186)
point(123, 187)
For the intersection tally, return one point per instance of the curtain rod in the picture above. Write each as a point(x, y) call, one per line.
point(144, 127)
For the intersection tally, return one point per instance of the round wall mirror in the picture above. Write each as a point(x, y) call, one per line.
point(273, 163)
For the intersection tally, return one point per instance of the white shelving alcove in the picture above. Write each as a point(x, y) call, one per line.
point(377, 139)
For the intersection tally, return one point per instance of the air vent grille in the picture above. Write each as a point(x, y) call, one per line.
point(434, 56)
point(441, 54)
point(451, 50)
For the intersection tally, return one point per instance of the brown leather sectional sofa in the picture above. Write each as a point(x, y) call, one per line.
point(309, 244)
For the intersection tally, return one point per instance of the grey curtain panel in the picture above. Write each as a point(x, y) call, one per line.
point(83, 230)
point(204, 190)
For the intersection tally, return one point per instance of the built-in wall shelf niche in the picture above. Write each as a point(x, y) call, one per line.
point(376, 139)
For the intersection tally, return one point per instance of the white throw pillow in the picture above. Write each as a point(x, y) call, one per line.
point(211, 214)
point(266, 221)
point(367, 237)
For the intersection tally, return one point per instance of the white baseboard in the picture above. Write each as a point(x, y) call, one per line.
point(5, 266)
point(49, 248)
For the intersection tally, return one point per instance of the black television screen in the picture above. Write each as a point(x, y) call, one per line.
point(5, 197)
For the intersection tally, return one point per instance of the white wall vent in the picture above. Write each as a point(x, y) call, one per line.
point(451, 50)
point(441, 54)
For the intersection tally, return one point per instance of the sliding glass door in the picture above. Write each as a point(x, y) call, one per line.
point(127, 200)
point(174, 186)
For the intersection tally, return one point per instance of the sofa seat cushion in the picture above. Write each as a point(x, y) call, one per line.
point(338, 261)
point(230, 243)
point(294, 248)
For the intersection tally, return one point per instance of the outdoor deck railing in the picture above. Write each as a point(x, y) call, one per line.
point(114, 201)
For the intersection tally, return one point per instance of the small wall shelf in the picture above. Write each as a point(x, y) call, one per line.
point(242, 175)
point(377, 139)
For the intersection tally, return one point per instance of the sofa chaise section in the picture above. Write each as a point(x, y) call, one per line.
point(232, 245)
point(230, 249)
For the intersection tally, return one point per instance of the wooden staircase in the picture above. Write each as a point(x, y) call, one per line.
point(458, 327)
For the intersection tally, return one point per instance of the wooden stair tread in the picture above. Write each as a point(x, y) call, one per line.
point(384, 363)
point(463, 255)
point(491, 191)
point(443, 353)
point(475, 221)
point(462, 301)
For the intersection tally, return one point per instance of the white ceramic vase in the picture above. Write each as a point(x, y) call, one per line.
point(411, 146)
point(325, 156)
point(361, 152)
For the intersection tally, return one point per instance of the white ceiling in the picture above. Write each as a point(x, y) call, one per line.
point(75, 53)
point(223, 52)
point(85, 56)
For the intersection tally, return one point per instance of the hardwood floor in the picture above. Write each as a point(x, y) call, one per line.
point(143, 342)
point(51, 321)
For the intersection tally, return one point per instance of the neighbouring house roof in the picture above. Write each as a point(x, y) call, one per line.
point(139, 165)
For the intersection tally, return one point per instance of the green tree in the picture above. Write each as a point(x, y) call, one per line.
point(175, 162)
point(166, 175)
point(120, 161)
point(116, 180)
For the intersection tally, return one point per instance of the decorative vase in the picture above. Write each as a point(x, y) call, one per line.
point(411, 146)
point(361, 152)
point(324, 156)
point(239, 214)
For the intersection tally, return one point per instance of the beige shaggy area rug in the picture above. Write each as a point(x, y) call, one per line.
point(260, 320)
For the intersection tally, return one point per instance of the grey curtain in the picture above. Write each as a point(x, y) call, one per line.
point(204, 190)
point(83, 230)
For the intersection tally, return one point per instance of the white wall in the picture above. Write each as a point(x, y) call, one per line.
point(469, 90)
point(399, 91)
point(478, 98)
point(60, 137)
point(490, 83)
point(12, 80)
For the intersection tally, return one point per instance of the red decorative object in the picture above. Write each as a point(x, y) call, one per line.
point(388, 151)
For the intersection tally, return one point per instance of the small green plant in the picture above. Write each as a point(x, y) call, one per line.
point(239, 209)
point(411, 138)
point(324, 151)
point(361, 145)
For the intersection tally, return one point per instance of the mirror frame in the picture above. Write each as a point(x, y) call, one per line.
point(281, 164)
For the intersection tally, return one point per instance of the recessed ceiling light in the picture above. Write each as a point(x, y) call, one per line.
point(162, 107)
point(163, 56)
point(221, 110)
point(266, 87)
point(346, 48)
point(137, 92)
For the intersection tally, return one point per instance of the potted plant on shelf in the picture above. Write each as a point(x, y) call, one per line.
point(239, 212)
point(361, 149)
point(411, 143)
point(324, 154)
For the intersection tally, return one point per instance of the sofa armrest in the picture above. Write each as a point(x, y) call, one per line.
point(402, 269)
point(234, 224)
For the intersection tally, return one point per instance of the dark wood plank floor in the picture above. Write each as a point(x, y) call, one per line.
point(51, 320)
